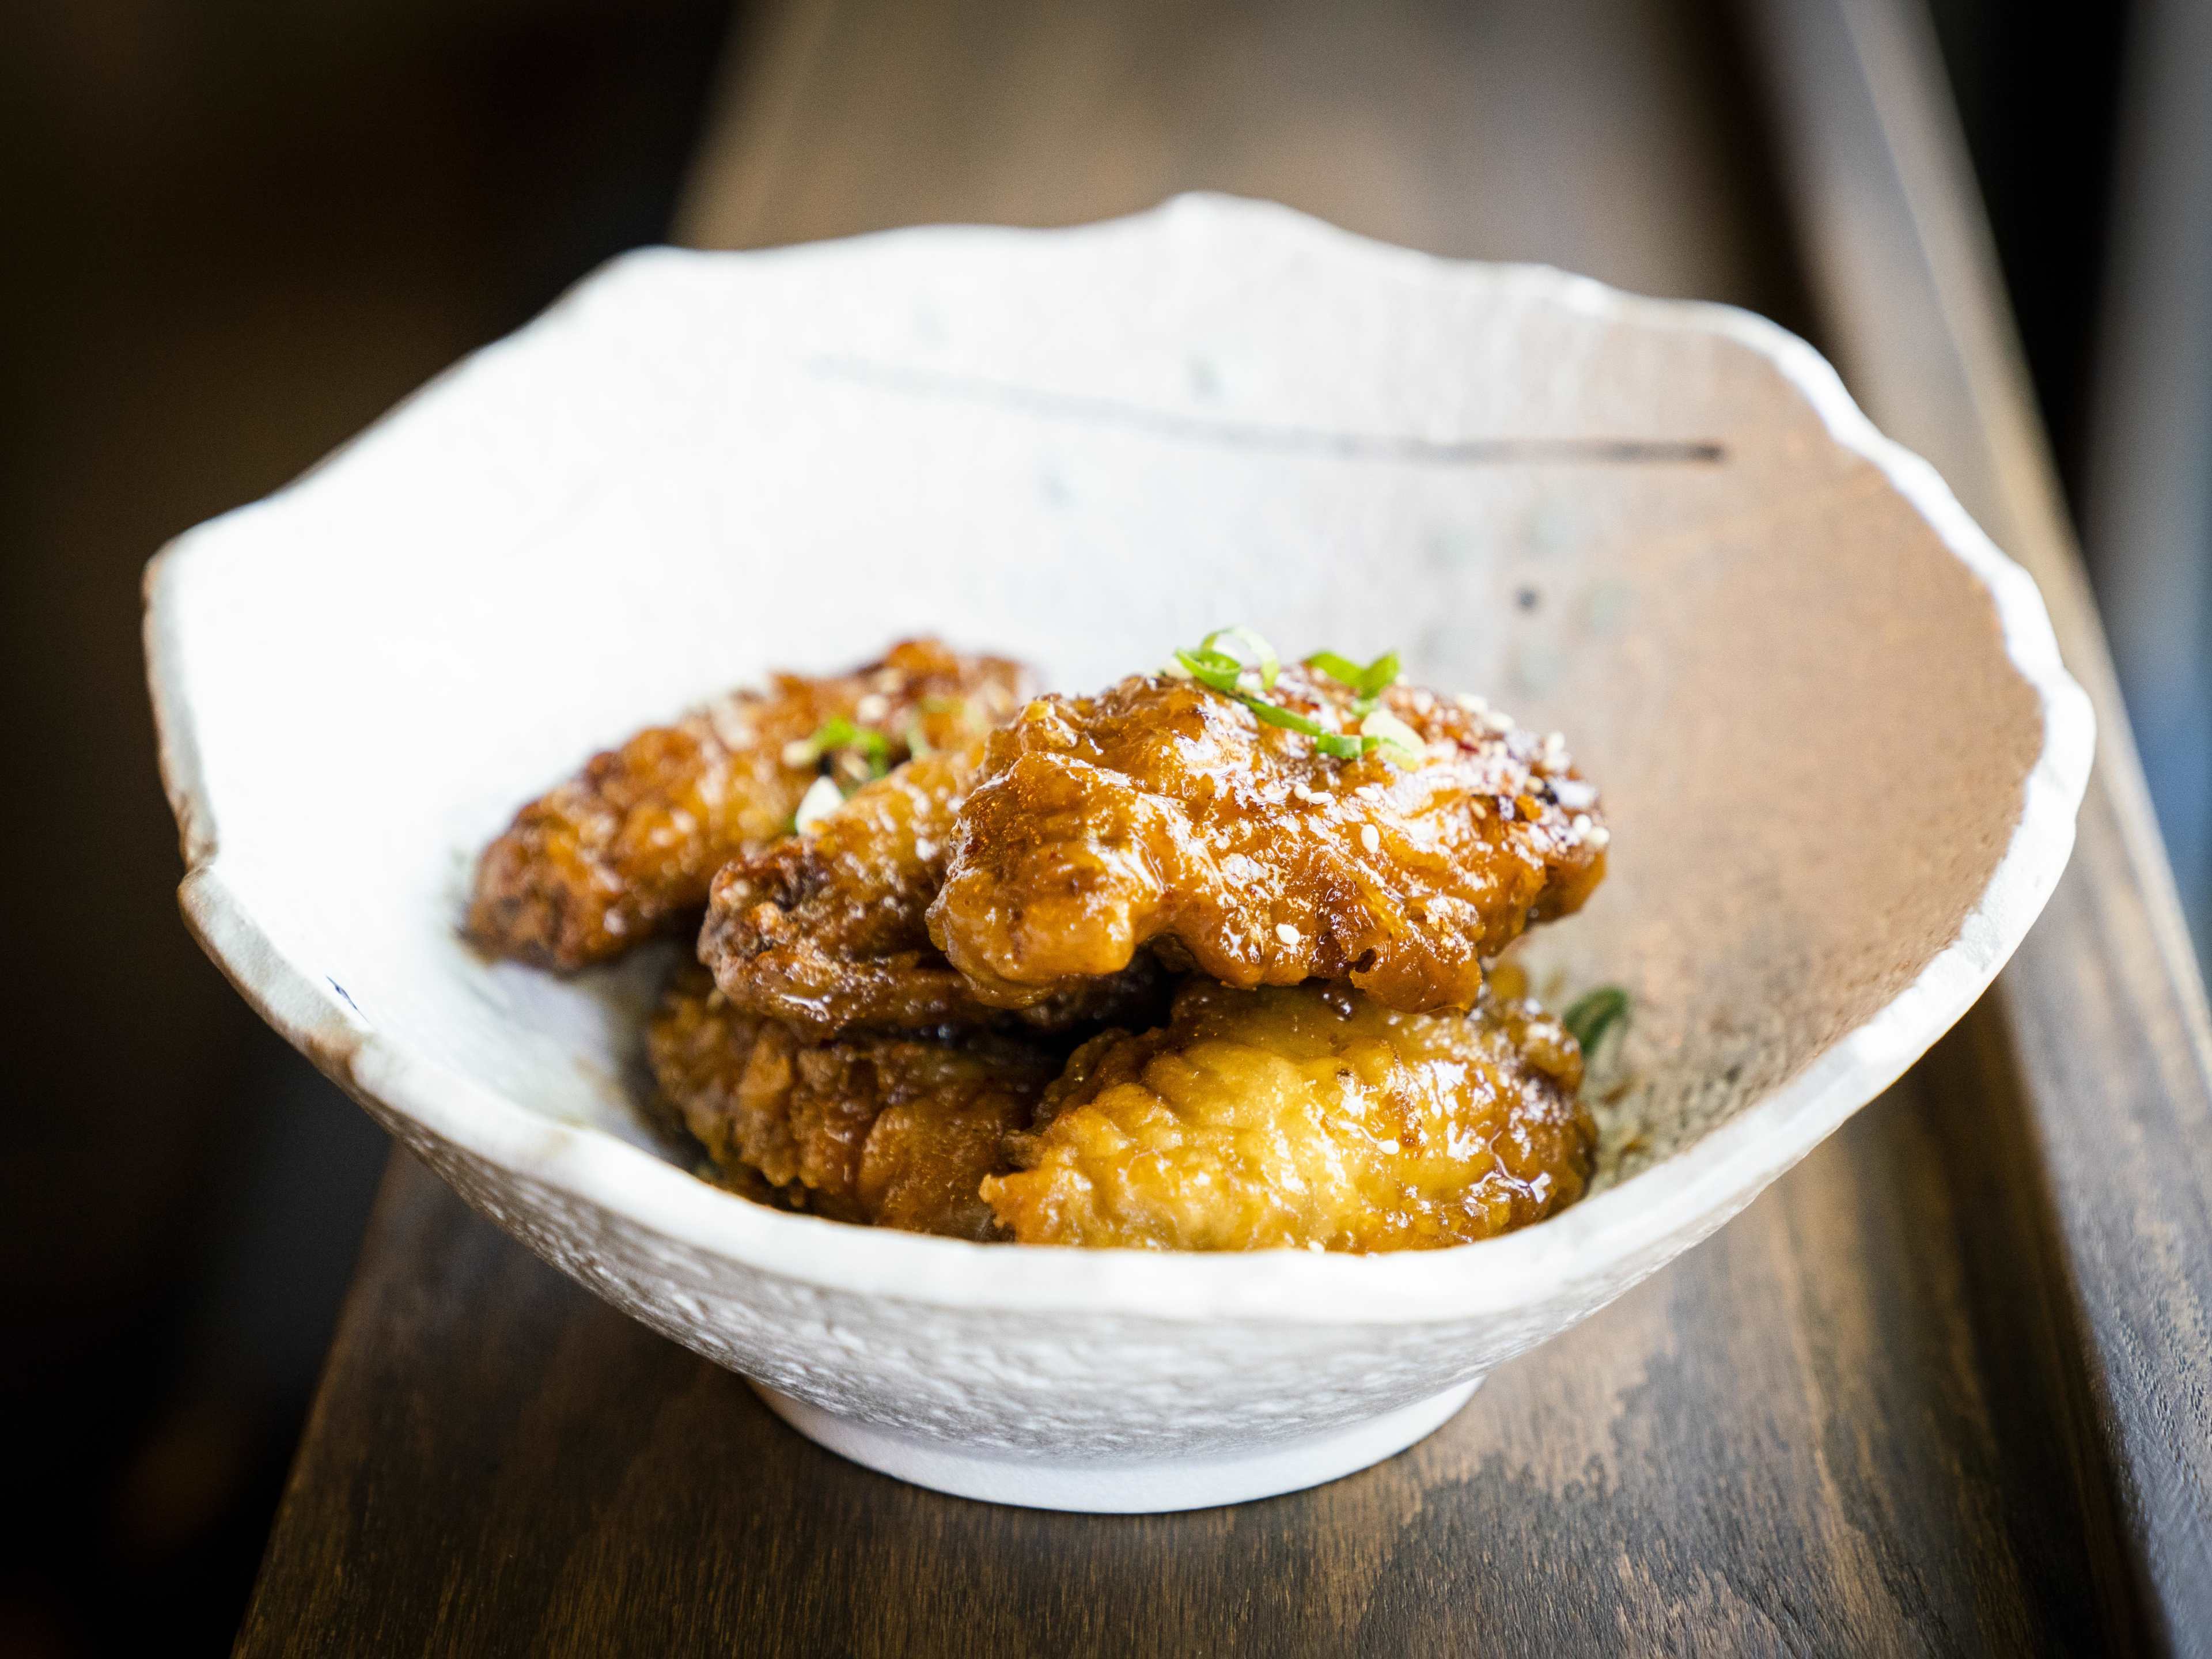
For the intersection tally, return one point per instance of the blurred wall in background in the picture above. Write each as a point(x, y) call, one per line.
point(2091, 131)
point(238, 233)
point(235, 234)
point(2146, 501)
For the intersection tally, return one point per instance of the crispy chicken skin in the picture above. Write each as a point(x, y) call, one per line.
point(1159, 809)
point(881, 1027)
point(825, 931)
point(896, 1131)
point(1312, 1117)
point(626, 848)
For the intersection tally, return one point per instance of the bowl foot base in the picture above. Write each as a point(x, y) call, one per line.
point(1135, 1487)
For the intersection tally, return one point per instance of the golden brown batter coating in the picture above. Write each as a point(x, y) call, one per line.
point(1161, 810)
point(895, 1131)
point(1312, 1117)
point(826, 931)
point(625, 849)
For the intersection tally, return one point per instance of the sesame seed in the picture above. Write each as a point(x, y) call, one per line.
point(1599, 836)
point(798, 753)
point(1285, 932)
point(1472, 704)
point(874, 706)
point(1573, 793)
point(1368, 838)
point(822, 797)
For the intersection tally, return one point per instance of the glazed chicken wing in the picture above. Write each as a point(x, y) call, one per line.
point(626, 849)
point(825, 931)
point(896, 1131)
point(1312, 1117)
point(1162, 810)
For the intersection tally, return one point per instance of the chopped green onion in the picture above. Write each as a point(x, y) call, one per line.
point(1273, 714)
point(1370, 682)
point(1219, 671)
point(1263, 655)
point(838, 733)
point(1267, 712)
point(1212, 670)
point(1593, 1013)
point(1393, 734)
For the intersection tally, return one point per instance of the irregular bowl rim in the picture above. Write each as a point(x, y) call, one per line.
point(1605, 1241)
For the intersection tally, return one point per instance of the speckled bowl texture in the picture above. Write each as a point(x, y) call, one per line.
point(1840, 756)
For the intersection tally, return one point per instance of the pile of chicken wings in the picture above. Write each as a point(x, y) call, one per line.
point(1196, 963)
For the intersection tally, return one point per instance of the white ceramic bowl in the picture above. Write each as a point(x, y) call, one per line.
point(1840, 755)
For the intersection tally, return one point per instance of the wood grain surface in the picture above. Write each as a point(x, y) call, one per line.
point(1802, 1439)
point(2103, 1010)
point(1932, 1394)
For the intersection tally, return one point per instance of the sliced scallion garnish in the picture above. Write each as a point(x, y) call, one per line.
point(836, 734)
point(1593, 1013)
point(1219, 671)
point(1263, 655)
point(1390, 731)
point(1368, 684)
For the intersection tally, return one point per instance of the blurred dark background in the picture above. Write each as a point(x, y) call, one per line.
point(237, 234)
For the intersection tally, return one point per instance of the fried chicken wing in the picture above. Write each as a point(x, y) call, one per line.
point(826, 931)
point(896, 1131)
point(1161, 810)
point(625, 849)
point(1312, 1117)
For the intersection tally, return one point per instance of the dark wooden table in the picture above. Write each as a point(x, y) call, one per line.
point(1948, 1388)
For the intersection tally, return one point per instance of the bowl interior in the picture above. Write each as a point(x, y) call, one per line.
point(1620, 519)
